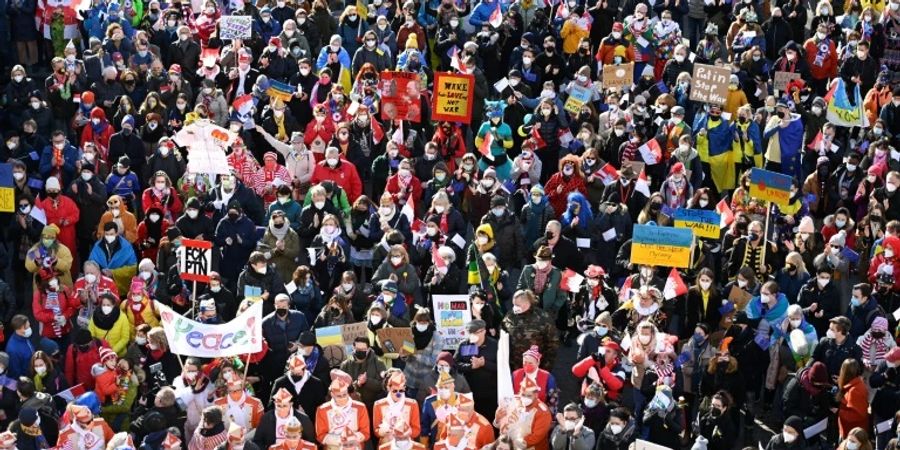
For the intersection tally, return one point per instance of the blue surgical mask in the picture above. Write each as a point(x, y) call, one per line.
point(698, 338)
point(497, 211)
point(601, 331)
point(854, 301)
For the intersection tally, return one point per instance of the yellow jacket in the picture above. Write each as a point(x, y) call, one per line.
point(572, 34)
point(735, 100)
point(118, 337)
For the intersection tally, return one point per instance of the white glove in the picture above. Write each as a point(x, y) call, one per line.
point(60, 320)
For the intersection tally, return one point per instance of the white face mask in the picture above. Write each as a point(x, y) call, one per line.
point(385, 210)
point(192, 213)
point(444, 393)
point(788, 437)
point(40, 370)
point(396, 260)
point(90, 278)
point(375, 320)
point(796, 323)
point(110, 239)
point(107, 309)
point(615, 429)
point(527, 401)
point(823, 281)
point(347, 286)
point(830, 334)
point(705, 285)
point(319, 204)
point(482, 240)
point(742, 283)
point(421, 327)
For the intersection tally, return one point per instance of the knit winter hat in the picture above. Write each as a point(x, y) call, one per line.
point(879, 324)
point(107, 353)
point(806, 225)
point(839, 239)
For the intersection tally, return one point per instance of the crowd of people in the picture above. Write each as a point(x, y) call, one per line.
point(332, 208)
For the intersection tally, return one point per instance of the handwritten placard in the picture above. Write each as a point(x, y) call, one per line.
point(400, 96)
point(783, 78)
point(453, 97)
point(618, 76)
point(709, 84)
point(235, 27)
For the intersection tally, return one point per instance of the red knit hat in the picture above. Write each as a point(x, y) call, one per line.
point(107, 353)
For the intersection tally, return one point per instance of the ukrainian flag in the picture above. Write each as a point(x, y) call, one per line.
point(329, 336)
point(715, 148)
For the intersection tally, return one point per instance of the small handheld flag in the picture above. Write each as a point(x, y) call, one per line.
point(674, 285)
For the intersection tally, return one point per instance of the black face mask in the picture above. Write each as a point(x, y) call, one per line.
point(655, 206)
point(281, 312)
point(360, 354)
point(780, 114)
point(753, 237)
point(233, 216)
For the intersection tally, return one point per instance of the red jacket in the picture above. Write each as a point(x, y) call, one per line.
point(99, 139)
point(542, 379)
point(558, 199)
point(64, 209)
point(78, 367)
point(47, 315)
point(413, 190)
point(104, 285)
point(874, 267)
point(148, 249)
point(827, 67)
point(612, 383)
point(343, 175)
point(325, 132)
point(450, 147)
point(854, 409)
point(171, 209)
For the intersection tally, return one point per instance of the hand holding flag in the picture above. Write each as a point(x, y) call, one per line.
point(674, 285)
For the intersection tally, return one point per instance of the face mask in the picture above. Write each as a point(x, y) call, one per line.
point(890, 187)
point(644, 339)
point(742, 283)
point(705, 285)
point(110, 239)
point(619, 132)
point(385, 210)
point(107, 309)
point(527, 401)
point(568, 170)
point(788, 437)
point(319, 204)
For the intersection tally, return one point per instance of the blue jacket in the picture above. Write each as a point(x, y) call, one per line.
point(277, 337)
point(70, 154)
point(19, 350)
point(266, 30)
point(307, 299)
point(126, 186)
point(322, 60)
point(861, 317)
point(482, 12)
point(291, 210)
point(123, 257)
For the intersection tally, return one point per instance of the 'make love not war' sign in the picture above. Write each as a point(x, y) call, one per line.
point(187, 337)
point(454, 94)
point(709, 84)
point(661, 246)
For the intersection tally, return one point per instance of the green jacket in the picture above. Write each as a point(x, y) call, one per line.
point(339, 198)
point(553, 298)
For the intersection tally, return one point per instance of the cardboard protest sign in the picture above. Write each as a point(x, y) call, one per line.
point(454, 95)
point(337, 341)
point(770, 186)
point(195, 260)
point(400, 96)
point(783, 78)
point(618, 76)
point(235, 27)
point(451, 314)
point(578, 97)
point(396, 340)
point(187, 337)
point(661, 246)
point(704, 223)
point(709, 84)
point(739, 297)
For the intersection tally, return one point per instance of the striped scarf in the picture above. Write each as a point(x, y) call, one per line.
point(874, 350)
point(665, 371)
point(52, 304)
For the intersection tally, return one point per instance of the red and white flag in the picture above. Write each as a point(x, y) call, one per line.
point(625, 291)
point(72, 393)
point(651, 152)
point(642, 185)
point(485, 147)
point(674, 285)
point(496, 18)
point(725, 214)
point(562, 11)
point(570, 281)
point(456, 62)
point(607, 174)
point(439, 264)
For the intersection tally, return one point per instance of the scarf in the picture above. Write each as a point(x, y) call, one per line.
point(35, 433)
point(52, 303)
point(540, 278)
point(281, 133)
point(298, 384)
point(823, 49)
point(422, 338)
point(106, 321)
point(279, 233)
point(236, 409)
point(665, 371)
point(328, 238)
point(874, 350)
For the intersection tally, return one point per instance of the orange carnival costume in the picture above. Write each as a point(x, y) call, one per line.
point(341, 420)
point(402, 439)
point(479, 431)
point(85, 432)
point(244, 410)
point(394, 408)
point(454, 436)
point(526, 419)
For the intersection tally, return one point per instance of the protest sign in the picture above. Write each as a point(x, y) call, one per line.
point(235, 27)
point(709, 84)
point(661, 246)
point(739, 297)
point(400, 96)
point(770, 186)
point(278, 89)
point(396, 340)
point(640, 444)
point(451, 314)
point(704, 223)
point(783, 78)
point(7, 189)
point(337, 341)
point(453, 97)
point(195, 260)
point(841, 111)
point(578, 97)
point(618, 76)
point(241, 336)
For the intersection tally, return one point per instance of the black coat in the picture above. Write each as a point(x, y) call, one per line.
point(510, 250)
point(721, 431)
point(313, 394)
point(264, 437)
point(565, 254)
